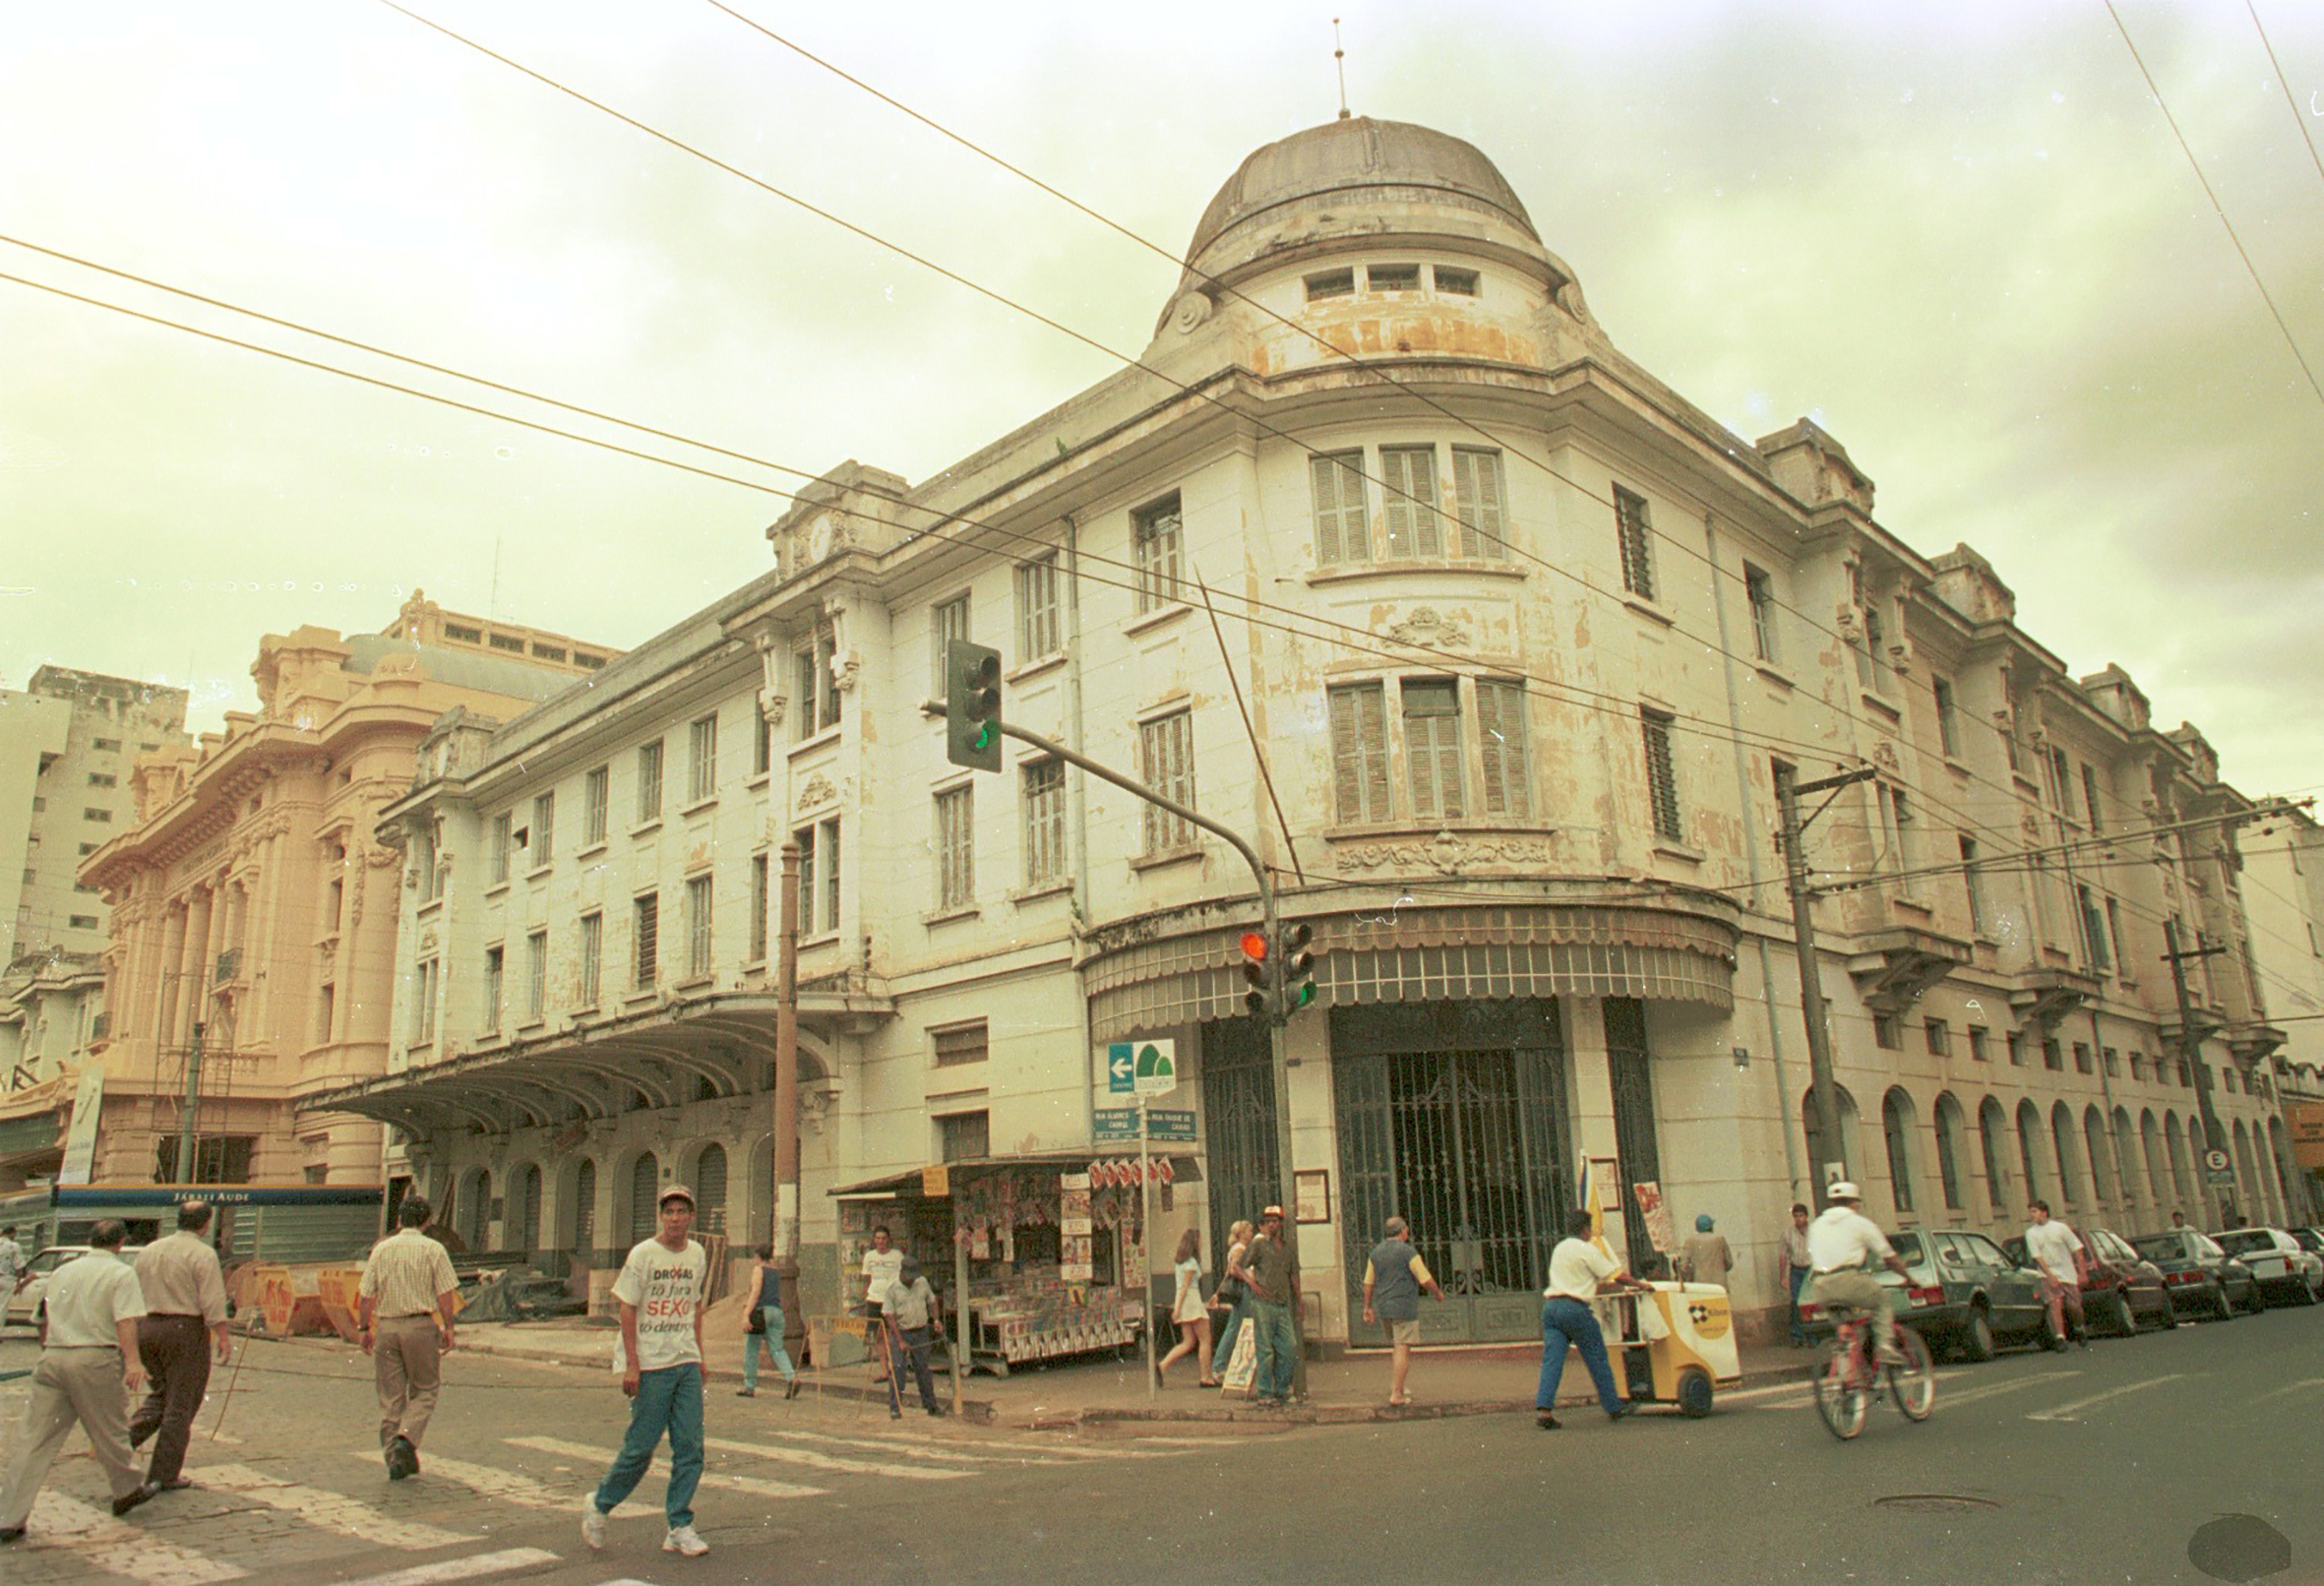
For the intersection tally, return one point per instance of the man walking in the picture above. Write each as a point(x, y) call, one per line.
point(660, 1361)
point(1266, 1269)
point(12, 1262)
point(87, 1355)
point(1393, 1276)
point(883, 1264)
point(185, 1294)
point(912, 1306)
point(408, 1300)
point(2064, 1264)
point(1793, 1269)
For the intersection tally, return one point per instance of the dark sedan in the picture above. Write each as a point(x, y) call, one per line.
point(1965, 1297)
point(2203, 1279)
point(2123, 1290)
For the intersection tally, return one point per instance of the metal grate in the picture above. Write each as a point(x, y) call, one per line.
point(1238, 1118)
point(1631, 1072)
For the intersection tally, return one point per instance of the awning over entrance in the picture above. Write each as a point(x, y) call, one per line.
point(666, 1056)
point(1674, 951)
point(910, 1183)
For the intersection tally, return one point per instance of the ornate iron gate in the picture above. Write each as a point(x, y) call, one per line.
point(1238, 1121)
point(1454, 1117)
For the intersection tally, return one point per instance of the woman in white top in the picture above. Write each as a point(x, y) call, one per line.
point(1578, 1270)
point(1189, 1312)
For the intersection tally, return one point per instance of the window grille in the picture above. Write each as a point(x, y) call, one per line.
point(1636, 533)
point(1662, 777)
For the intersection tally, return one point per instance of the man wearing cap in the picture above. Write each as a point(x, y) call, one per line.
point(1393, 1276)
point(405, 1308)
point(1841, 1247)
point(660, 1363)
point(1266, 1269)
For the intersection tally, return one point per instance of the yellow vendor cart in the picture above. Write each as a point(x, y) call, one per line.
point(1678, 1345)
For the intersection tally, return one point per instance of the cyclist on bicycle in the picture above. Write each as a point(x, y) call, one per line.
point(1841, 1245)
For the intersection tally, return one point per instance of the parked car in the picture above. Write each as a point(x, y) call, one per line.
point(2123, 1290)
point(2310, 1239)
point(2203, 1280)
point(1966, 1296)
point(2286, 1274)
point(24, 1305)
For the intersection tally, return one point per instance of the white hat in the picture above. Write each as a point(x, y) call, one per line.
point(1842, 1190)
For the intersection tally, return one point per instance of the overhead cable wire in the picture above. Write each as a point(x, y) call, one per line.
point(2306, 138)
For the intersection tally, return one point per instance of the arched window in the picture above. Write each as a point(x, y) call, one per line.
point(524, 1209)
point(2102, 1182)
point(1951, 1126)
point(646, 1178)
point(2149, 1140)
point(710, 1189)
point(2126, 1163)
point(585, 1211)
point(475, 1210)
point(1896, 1129)
point(2029, 1141)
point(1819, 1155)
point(1990, 1126)
point(2176, 1142)
point(2070, 1179)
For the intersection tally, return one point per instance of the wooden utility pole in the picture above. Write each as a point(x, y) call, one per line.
point(1821, 1086)
point(2191, 1040)
point(786, 1077)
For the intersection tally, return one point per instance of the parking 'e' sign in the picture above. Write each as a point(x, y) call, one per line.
point(1156, 1067)
point(1121, 1067)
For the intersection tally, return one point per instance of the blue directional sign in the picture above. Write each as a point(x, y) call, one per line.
point(1120, 1068)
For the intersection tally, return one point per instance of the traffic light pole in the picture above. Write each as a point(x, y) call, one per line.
point(1278, 1061)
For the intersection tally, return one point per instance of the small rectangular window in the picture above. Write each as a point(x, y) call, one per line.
point(1431, 749)
point(1636, 530)
point(1159, 536)
point(1331, 283)
point(1759, 592)
point(423, 1001)
point(1039, 630)
point(701, 758)
point(104, 743)
point(955, 880)
point(102, 816)
point(1343, 531)
point(2054, 1057)
point(547, 653)
point(645, 940)
point(956, 1044)
point(1887, 1032)
point(1948, 719)
point(462, 634)
point(82, 922)
point(1166, 757)
point(1662, 776)
point(102, 780)
point(1940, 1037)
point(2082, 1057)
point(963, 1136)
point(587, 661)
point(1361, 791)
point(596, 795)
point(1978, 1052)
point(698, 927)
point(494, 970)
point(2089, 796)
point(649, 781)
point(592, 953)
point(1045, 822)
point(758, 953)
point(1458, 283)
point(510, 643)
point(1392, 278)
point(948, 621)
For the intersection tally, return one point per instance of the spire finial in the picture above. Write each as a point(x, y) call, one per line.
point(1340, 57)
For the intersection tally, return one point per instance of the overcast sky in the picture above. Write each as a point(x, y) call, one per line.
point(1961, 238)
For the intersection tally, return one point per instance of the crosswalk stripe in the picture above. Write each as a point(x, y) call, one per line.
point(510, 1487)
point(973, 1453)
point(1053, 1452)
point(832, 1462)
point(1995, 1389)
point(468, 1569)
point(333, 1511)
point(118, 1548)
point(754, 1486)
point(2293, 1388)
point(2065, 1412)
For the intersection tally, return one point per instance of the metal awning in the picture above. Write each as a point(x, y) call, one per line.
point(1183, 1169)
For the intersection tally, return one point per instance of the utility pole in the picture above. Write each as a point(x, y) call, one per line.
point(193, 1100)
point(785, 1233)
point(1812, 992)
point(2190, 1041)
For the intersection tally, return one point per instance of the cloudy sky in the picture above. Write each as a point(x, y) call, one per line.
point(1962, 238)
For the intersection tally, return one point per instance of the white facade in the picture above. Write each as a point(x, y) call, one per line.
point(1521, 636)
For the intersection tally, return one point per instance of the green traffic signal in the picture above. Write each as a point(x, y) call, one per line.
point(972, 705)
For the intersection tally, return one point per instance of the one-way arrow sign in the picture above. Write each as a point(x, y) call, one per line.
point(1120, 1068)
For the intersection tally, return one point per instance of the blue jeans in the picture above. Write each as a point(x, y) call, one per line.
point(771, 1341)
point(1799, 1285)
point(1569, 1321)
point(1271, 1377)
point(1225, 1352)
point(668, 1400)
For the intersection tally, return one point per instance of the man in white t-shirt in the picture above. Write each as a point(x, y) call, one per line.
point(1579, 1271)
point(661, 1362)
point(2064, 1267)
point(1842, 1245)
point(883, 1263)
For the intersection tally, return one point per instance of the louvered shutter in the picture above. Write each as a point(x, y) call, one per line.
point(1431, 749)
point(1501, 731)
point(1476, 476)
point(645, 1186)
point(1409, 477)
point(709, 1189)
point(1341, 532)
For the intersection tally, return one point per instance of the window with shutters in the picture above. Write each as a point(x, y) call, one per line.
point(701, 758)
point(1949, 718)
point(1158, 537)
point(1431, 747)
point(2094, 933)
point(498, 861)
point(803, 837)
point(1360, 754)
point(1408, 490)
point(698, 927)
point(955, 848)
point(1662, 776)
point(1636, 533)
point(1500, 736)
point(542, 846)
point(1039, 630)
point(1165, 756)
point(761, 743)
point(817, 688)
point(1478, 492)
point(595, 794)
point(493, 969)
point(956, 1044)
point(948, 621)
point(649, 781)
point(1343, 531)
point(645, 940)
point(537, 976)
point(758, 950)
point(592, 957)
point(831, 878)
point(1045, 823)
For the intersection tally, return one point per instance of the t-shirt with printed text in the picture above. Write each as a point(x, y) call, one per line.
point(666, 1288)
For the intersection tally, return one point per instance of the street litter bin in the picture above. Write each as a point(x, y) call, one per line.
point(1678, 1345)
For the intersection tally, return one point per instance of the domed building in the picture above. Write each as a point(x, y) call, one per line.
point(1489, 647)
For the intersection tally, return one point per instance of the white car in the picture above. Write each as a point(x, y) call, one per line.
point(24, 1305)
point(2284, 1273)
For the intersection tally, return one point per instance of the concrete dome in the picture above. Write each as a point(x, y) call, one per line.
point(1354, 177)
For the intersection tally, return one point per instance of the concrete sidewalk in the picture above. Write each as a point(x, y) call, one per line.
point(1477, 1380)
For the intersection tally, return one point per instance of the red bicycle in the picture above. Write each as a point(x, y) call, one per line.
point(1849, 1378)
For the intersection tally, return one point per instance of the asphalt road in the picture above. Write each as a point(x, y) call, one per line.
point(2103, 1465)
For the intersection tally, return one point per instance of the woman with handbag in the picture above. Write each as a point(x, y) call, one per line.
point(763, 1329)
point(1190, 1312)
point(1233, 1294)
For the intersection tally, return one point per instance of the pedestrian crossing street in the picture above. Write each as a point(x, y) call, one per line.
point(206, 1537)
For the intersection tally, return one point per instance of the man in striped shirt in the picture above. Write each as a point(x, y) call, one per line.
point(408, 1298)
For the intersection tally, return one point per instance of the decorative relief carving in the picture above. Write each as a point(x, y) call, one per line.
point(1445, 853)
point(1426, 627)
point(818, 791)
point(846, 667)
point(771, 706)
point(814, 1109)
point(1885, 757)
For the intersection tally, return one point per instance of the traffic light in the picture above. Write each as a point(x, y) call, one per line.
point(1259, 1000)
point(972, 705)
point(1299, 968)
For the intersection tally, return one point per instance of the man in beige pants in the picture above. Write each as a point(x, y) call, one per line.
point(88, 1366)
point(408, 1298)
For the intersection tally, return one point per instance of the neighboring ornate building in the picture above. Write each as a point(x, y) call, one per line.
point(1523, 633)
point(2284, 889)
point(253, 940)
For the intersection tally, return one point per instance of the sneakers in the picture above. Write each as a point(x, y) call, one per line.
point(592, 1523)
point(746, 1393)
point(682, 1539)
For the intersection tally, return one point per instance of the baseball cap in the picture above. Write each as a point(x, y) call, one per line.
point(676, 1191)
point(1842, 1190)
point(1271, 1211)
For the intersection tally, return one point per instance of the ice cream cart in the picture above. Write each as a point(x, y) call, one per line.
point(1677, 1344)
